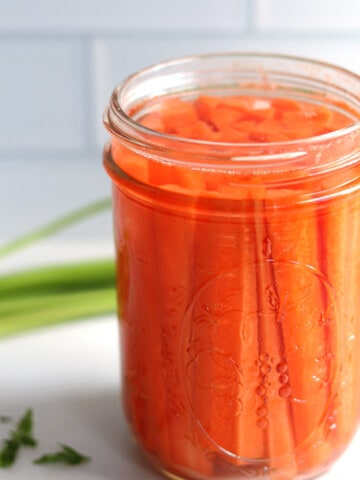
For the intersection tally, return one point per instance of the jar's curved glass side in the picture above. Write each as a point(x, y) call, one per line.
point(241, 325)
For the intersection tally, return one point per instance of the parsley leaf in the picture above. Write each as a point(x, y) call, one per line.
point(22, 435)
point(66, 455)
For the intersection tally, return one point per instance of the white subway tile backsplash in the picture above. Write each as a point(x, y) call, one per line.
point(38, 191)
point(90, 15)
point(316, 15)
point(41, 95)
point(340, 51)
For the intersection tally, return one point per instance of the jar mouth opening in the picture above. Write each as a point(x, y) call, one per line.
point(271, 74)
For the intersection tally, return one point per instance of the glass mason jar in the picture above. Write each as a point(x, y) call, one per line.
point(238, 274)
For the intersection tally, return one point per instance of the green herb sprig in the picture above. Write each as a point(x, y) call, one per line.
point(66, 455)
point(22, 435)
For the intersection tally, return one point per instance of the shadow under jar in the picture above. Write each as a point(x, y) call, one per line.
point(236, 199)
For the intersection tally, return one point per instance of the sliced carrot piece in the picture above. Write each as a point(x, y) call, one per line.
point(153, 121)
point(268, 131)
point(252, 108)
point(245, 126)
point(197, 130)
point(222, 117)
point(233, 135)
point(309, 121)
point(338, 121)
point(175, 112)
point(133, 164)
point(165, 175)
point(281, 104)
point(205, 106)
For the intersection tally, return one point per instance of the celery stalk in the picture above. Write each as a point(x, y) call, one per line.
point(89, 274)
point(55, 294)
point(59, 309)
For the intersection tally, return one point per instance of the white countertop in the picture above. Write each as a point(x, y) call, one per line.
point(69, 376)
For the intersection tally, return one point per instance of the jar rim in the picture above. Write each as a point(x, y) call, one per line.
point(123, 127)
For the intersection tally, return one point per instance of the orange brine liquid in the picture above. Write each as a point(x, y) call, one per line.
point(240, 314)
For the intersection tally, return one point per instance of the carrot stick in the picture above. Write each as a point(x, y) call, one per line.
point(303, 366)
point(276, 415)
point(222, 363)
point(141, 335)
point(251, 424)
point(173, 256)
point(341, 220)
